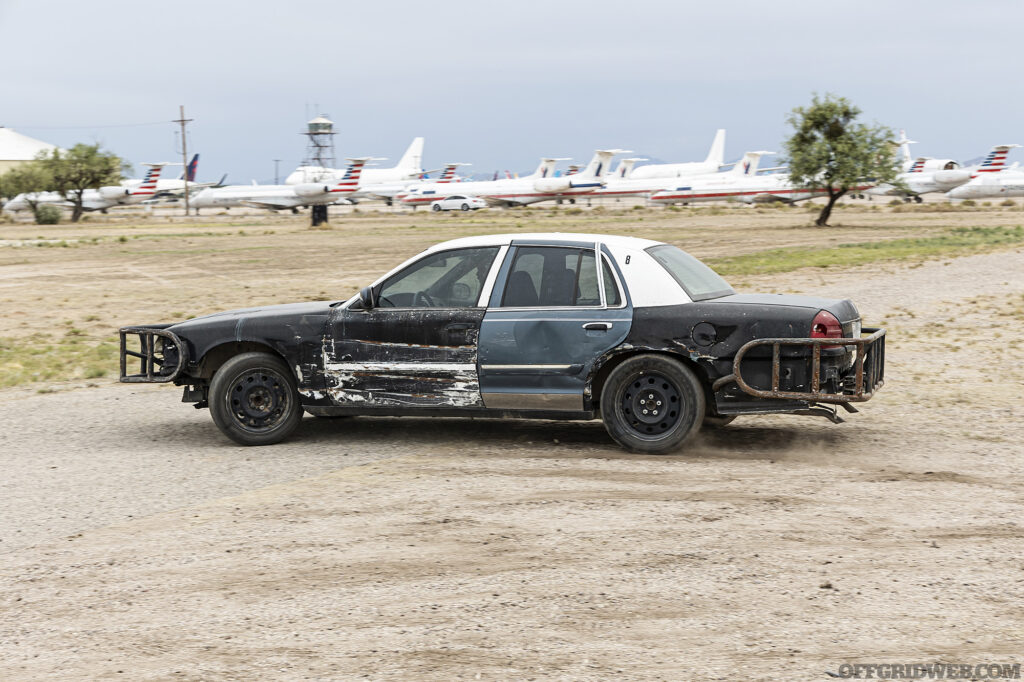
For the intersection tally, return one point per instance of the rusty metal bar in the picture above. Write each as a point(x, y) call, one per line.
point(870, 350)
point(149, 366)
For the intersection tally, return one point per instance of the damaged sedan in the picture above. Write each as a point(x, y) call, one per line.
point(546, 326)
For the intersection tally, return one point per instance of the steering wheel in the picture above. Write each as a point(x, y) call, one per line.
point(422, 296)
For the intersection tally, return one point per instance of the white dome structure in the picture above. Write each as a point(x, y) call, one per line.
point(16, 149)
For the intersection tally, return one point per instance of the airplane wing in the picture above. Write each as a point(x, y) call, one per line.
point(497, 202)
point(270, 204)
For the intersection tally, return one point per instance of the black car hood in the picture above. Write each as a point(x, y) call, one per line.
point(286, 310)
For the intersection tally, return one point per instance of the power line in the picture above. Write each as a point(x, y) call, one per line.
point(110, 125)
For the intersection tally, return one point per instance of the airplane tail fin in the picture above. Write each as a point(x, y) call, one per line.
point(148, 185)
point(904, 144)
point(349, 182)
point(412, 159)
point(716, 155)
point(625, 167)
point(749, 163)
point(996, 159)
point(597, 169)
point(448, 172)
point(190, 170)
point(546, 169)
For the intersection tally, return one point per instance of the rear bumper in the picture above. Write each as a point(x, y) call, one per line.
point(855, 384)
point(159, 363)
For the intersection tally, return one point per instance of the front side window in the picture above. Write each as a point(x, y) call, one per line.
point(448, 279)
point(698, 280)
point(552, 277)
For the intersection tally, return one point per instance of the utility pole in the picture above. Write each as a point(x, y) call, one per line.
point(277, 176)
point(182, 121)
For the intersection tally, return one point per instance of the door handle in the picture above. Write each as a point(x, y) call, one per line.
point(456, 327)
point(597, 326)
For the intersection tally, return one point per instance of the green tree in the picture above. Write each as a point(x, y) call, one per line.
point(84, 166)
point(29, 179)
point(831, 151)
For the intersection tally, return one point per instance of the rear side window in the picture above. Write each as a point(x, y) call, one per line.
point(552, 277)
point(698, 280)
point(612, 297)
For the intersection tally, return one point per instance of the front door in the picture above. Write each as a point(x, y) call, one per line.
point(417, 347)
point(554, 311)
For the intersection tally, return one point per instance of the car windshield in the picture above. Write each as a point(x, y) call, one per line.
point(698, 280)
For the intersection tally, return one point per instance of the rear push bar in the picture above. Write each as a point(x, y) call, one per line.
point(868, 376)
point(153, 360)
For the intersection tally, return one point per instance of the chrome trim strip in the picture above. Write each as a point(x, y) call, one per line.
point(570, 402)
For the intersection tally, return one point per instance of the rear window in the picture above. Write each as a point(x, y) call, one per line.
point(698, 280)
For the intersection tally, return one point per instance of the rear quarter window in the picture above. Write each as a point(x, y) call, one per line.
point(698, 280)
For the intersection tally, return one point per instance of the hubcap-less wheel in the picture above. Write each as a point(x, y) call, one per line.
point(258, 399)
point(253, 399)
point(650, 404)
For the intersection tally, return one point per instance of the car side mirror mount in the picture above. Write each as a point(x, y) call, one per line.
point(367, 298)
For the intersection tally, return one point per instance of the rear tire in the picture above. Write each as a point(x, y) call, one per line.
point(465, 207)
point(652, 404)
point(254, 400)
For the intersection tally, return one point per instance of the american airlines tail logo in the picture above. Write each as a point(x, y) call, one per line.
point(746, 168)
point(350, 181)
point(148, 185)
point(917, 167)
point(995, 161)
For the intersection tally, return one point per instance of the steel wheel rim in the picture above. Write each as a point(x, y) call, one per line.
point(258, 399)
point(650, 404)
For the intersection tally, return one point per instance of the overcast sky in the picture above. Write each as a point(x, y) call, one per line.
point(501, 84)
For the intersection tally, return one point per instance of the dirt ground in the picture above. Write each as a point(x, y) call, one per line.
point(137, 543)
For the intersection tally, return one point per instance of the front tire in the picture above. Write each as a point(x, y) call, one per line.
point(436, 207)
point(254, 401)
point(652, 404)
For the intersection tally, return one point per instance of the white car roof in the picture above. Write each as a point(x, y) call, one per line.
point(503, 239)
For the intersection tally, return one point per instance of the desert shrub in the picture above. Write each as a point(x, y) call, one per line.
point(47, 215)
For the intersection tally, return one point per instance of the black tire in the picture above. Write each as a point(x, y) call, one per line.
point(465, 207)
point(436, 207)
point(253, 399)
point(714, 421)
point(658, 384)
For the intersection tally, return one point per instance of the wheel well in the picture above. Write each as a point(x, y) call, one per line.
point(597, 385)
point(218, 355)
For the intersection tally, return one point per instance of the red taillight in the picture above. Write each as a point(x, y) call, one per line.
point(826, 326)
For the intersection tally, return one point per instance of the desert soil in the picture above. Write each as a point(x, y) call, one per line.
point(137, 543)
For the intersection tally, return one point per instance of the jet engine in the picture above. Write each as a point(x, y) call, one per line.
point(552, 184)
point(114, 192)
point(951, 178)
point(311, 189)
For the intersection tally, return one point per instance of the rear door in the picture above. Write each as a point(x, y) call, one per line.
point(418, 346)
point(555, 309)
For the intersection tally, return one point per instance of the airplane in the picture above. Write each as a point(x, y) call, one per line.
point(542, 185)
point(388, 191)
point(625, 185)
point(926, 174)
point(739, 185)
point(278, 197)
point(991, 184)
point(712, 164)
point(409, 167)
